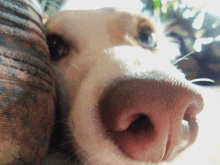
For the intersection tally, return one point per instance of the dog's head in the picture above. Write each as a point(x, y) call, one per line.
point(126, 103)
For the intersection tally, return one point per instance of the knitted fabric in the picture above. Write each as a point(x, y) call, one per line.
point(27, 91)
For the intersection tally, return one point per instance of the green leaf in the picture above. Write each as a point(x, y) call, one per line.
point(157, 3)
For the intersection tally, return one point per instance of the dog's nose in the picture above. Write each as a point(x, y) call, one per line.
point(150, 120)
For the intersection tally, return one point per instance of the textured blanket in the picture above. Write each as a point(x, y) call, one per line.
point(27, 92)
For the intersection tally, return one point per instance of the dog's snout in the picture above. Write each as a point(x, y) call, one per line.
point(150, 120)
point(125, 102)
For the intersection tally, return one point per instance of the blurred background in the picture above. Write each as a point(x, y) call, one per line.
point(195, 24)
point(202, 15)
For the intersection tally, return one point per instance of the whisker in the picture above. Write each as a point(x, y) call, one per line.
point(71, 156)
point(75, 66)
point(94, 157)
point(90, 158)
point(66, 160)
point(61, 145)
point(182, 58)
point(59, 121)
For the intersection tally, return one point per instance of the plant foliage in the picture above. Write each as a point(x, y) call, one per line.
point(204, 24)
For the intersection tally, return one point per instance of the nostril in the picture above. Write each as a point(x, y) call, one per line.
point(142, 123)
point(190, 117)
point(189, 127)
point(191, 111)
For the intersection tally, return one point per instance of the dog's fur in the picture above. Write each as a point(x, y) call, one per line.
point(102, 51)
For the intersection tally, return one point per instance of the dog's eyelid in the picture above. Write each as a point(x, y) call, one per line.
point(146, 23)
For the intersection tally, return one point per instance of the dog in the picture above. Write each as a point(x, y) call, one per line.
point(120, 100)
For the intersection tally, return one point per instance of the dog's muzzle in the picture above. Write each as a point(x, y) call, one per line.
point(148, 119)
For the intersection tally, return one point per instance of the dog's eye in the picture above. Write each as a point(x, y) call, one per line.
point(148, 38)
point(57, 46)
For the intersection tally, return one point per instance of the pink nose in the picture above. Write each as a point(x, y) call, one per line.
point(150, 120)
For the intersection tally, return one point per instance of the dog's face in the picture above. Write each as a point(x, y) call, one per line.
point(127, 104)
